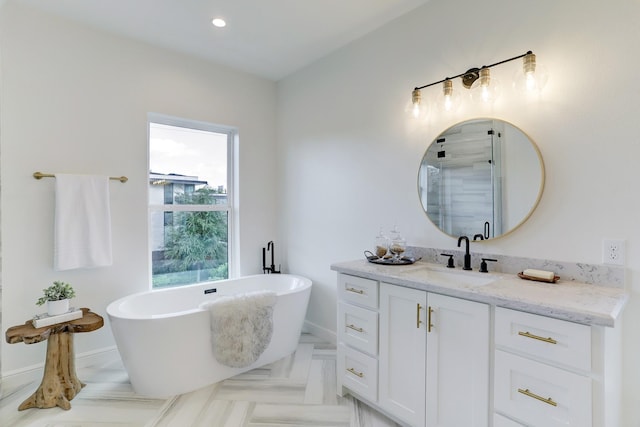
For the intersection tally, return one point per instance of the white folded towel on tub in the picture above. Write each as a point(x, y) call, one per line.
point(241, 326)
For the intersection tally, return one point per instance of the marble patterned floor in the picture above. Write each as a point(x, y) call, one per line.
point(299, 390)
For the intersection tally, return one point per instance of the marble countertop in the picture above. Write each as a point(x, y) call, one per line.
point(567, 300)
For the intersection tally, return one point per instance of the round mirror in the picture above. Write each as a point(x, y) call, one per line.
point(480, 178)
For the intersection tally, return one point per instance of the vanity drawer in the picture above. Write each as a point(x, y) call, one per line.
point(539, 394)
point(358, 327)
point(358, 290)
point(358, 372)
point(556, 340)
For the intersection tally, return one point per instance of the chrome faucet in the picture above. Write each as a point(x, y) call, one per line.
point(467, 256)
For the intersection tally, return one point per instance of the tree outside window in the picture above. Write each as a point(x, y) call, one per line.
point(189, 203)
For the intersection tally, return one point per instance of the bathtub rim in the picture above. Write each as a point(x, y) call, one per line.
point(113, 308)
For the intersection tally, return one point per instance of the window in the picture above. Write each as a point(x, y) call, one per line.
point(190, 201)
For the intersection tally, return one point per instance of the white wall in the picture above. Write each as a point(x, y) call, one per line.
point(76, 100)
point(350, 155)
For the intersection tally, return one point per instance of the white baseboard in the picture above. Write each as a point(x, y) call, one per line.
point(83, 360)
point(320, 332)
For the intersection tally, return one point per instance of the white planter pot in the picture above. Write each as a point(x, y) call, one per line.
point(55, 308)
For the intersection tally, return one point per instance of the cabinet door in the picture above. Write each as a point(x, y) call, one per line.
point(457, 362)
point(402, 353)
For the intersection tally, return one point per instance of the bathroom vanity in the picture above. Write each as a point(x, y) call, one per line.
point(431, 346)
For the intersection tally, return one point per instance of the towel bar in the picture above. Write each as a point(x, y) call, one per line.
point(40, 175)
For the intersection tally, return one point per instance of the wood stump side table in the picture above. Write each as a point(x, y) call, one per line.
point(59, 384)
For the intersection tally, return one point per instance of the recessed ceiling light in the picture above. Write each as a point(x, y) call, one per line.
point(219, 22)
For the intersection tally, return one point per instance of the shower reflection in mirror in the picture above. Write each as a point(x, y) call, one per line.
point(481, 176)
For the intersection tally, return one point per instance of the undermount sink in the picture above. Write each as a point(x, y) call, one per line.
point(443, 277)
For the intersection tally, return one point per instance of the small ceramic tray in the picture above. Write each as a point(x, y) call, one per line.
point(537, 279)
point(389, 261)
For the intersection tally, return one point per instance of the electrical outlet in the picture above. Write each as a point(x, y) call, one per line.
point(613, 252)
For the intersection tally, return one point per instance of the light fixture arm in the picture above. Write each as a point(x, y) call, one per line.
point(472, 74)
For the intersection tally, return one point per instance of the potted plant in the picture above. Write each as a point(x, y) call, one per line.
point(57, 297)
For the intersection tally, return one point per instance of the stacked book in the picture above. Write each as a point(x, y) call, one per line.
point(42, 320)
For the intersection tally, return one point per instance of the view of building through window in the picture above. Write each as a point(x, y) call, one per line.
point(189, 203)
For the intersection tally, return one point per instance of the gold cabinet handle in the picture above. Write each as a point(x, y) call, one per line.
point(418, 322)
point(538, 337)
point(548, 401)
point(429, 324)
point(355, 328)
point(354, 372)
point(355, 291)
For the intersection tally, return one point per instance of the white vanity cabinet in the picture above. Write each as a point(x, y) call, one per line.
point(551, 372)
point(431, 351)
point(432, 359)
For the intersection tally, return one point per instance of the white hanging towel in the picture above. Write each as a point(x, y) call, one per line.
point(82, 233)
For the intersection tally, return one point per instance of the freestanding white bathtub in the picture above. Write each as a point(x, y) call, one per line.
point(164, 337)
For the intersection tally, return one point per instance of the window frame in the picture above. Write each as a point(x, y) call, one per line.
point(229, 207)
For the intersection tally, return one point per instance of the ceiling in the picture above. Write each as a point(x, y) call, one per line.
point(269, 38)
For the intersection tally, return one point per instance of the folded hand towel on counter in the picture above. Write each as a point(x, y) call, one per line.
point(82, 230)
point(539, 274)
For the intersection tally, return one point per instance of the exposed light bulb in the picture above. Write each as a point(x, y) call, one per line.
point(533, 76)
point(529, 68)
point(448, 91)
point(485, 90)
point(416, 100)
point(485, 94)
point(450, 99)
point(485, 81)
point(416, 106)
point(530, 79)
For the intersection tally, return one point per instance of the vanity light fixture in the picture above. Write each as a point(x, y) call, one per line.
point(484, 88)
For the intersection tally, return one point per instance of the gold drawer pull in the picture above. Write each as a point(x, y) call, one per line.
point(355, 291)
point(355, 328)
point(354, 372)
point(548, 401)
point(418, 322)
point(429, 324)
point(537, 337)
